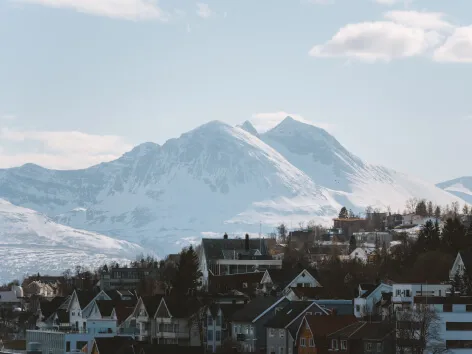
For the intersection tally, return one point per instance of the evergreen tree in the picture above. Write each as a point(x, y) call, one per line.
point(456, 283)
point(430, 209)
point(421, 208)
point(453, 236)
point(437, 212)
point(435, 238)
point(343, 214)
point(188, 275)
point(352, 244)
point(468, 238)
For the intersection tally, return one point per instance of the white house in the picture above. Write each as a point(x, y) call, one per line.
point(362, 254)
point(404, 294)
point(285, 280)
point(369, 296)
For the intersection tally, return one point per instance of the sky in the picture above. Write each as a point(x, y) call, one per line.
point(84, 81)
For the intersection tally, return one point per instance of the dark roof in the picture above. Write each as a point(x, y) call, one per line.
point(316, 293)
point(373, 331)
point(229, 309)
point(234, 281)
point(449, 300)
point(369, 287)
point(182, 310)
point(105, 307)
point(119, 294)
point(467, 259)
point(347, 331)
point(291, 312)
point(126, 345)
point(254, 308)
point(123, 311)
point(338, 307)
point(63, 316)
point(216, 248)
point(324, 325)
point(49, 307)
point(151, 303)
point(85, 297)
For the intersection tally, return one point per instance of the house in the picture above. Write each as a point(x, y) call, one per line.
point(364, 337)
point(282, 328)
point(454, 320)
point(462, 264)
point(393, 220)
point(11, 299)
point(216, 325)
point(313, 332)
point(165, 320)
point(363, 254)
point(369, 296)
point(124, 278)
point(232, 256)
point(248, 283)
point(403, 294)
point(373, 237)
point(248, 324)
point(281, 280)
point(350, 225)
point(411, 219)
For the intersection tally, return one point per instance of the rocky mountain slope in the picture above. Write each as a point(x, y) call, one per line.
point(212, 179)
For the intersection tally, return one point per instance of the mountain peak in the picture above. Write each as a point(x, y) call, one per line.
point(248, 127)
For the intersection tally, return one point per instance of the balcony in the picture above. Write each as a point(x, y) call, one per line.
point(241, 337)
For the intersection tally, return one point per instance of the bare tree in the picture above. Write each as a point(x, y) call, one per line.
point(411, 205)
point(418, 330)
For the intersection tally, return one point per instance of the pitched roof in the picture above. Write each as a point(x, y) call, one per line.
point(216, 248)
point(120, 294)
point(373, 331)
point(324, 325)
point(182, 310)
point(123, 311)
point(105, 307)
point(254, 308)
point(85, 297)
point(49, 307)
point(151, 303)
point(348, 331)
point(291, 312)
point(229, 309)
point(466, 257)
point(369, 288)
point(234, 281)
point(316, 293)
point(63, 316)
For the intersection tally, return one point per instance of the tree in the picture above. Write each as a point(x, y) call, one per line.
point(430, 209)
point(188, 275)
point(455, 208)
point(411, 205)
point(453, 236)
point(352, 244)
point(465, 209)
point(437, 212)
point(421, 208)
point(343, 214)
point(418, 330)
point(282, 233)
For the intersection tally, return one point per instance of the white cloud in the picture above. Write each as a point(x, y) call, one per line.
point(9, 117)
point(204, 11)
point(266, 121)
point(377, 41)
point(60, 150)
point(457, 48)
point(416, 19)
point(124, 9)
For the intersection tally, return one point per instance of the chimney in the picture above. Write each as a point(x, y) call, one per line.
point(246, 242)
point(225, 236)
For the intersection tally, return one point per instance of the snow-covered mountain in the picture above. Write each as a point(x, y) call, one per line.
point(460, 187)
point(31, 242)
point(212, 179)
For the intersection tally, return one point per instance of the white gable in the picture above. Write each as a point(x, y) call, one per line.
point(304, 279)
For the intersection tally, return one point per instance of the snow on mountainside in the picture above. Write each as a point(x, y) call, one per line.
point(215, 178)
point(31, 242)
point(460, 187)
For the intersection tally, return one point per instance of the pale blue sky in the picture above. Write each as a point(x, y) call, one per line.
point(394, 85)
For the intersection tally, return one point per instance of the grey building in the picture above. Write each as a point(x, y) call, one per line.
point(282, 328)
point(124, 278)
point(248, 324)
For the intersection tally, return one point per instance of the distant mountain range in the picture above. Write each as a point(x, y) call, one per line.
point(460, 187)
point(213, 179)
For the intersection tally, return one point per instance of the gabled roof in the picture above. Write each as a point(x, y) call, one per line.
point(182, 310)
point(85, 297)
point(322, 326)
point(234, 281)
point(49, 307)
point(105, 307)
point(218, 248)
point(373, 331)
point(151, 303)
point(316, 293)
point(123, 311)
point(63, 316)
point(254, 309)
point(466, 257)
point(229, 309)
point(291, 312)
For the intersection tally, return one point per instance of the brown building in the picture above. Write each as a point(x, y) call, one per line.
point(350, 225)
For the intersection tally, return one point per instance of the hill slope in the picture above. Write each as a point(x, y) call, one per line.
point(31, 243)
point(460, 187)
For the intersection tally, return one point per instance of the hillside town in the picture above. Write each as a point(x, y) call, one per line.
point(381, 283)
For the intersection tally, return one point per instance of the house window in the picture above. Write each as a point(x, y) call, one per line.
point(210, 336)
point(344, 344)
point(210, 321)
point(281, 333)
point(218, 320)
point(447, 308)
point(251, 330)
point(407, 293)
point(272, 350)
point(302, 342)
point(271, 332)
point(358, 308)
point(312, 342)
point(218, 336)
point(281, 350)
point(236, 329)
point(334, 344)
point(246, 330)
point(379, 347)
point(468, 308)
point(368, 347)
point(289, 350)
